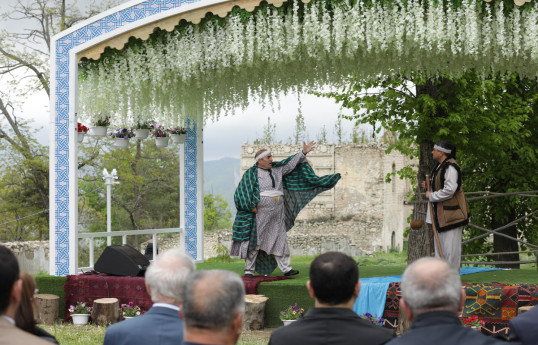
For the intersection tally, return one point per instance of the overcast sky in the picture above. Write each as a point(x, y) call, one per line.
point(224, 137)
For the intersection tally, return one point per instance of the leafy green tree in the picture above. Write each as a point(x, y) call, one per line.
point(339, 130)
point(269, 134)
point(24, 71)
point(492, 122)
point(322, 135)
point(147, 196)
point(299, 133)
point(24, 186)
point(217, 214)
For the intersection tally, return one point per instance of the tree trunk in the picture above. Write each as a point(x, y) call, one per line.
point(420, 242)
point(503, 244)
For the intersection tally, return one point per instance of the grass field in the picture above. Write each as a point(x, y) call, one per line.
point(282, 293)
point(67, 334)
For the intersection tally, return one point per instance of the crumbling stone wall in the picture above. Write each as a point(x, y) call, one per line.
point(33, 256)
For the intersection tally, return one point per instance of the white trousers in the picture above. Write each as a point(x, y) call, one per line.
point(451, 245)
point(283, 262)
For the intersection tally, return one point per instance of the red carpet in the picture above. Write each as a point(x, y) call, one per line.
point(91, 286)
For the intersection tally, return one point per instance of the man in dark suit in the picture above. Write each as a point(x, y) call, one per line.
point(334, 285)
point(524, 327)
point(432, 298)
point(161, 324)
point(10, 298)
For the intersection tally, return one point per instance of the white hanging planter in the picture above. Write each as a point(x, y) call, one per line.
point(178, 138)
point(141, 133)
point(80, 136)
point(99, 131)
point(80, 319)
point(161, 141)
point(121, 142)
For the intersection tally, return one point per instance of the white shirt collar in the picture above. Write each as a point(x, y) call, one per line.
point(9, 319)
point(166, 305)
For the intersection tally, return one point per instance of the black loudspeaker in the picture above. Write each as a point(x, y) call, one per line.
point(122, 261)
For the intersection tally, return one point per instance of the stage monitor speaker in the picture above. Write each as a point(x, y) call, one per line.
point(122, 261)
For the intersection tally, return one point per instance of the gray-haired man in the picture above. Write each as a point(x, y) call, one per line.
point(432, 297)
point(213, 307)
point(161, 325)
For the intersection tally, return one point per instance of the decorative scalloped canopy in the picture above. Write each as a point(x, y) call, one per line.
point(194, 16)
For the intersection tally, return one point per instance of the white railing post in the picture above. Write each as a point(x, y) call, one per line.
point(109, 181)
point(92, 249)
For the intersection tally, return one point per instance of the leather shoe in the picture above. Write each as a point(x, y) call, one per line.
point(291, 272)
point(248, 275)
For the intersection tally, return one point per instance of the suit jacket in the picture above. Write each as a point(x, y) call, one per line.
point(11, 335)
point(321, 326)
point(524, 327)
point(442, 328)
point(158, 326)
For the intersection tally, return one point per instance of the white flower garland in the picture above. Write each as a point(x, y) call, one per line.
point(216, 69)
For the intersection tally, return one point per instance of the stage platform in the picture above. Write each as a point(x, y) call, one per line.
point(495, 303)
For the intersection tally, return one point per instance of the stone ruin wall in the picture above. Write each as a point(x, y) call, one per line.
point(33, 256)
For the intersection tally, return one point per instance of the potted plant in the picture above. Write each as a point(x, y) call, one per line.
point(178, 134)
point(81, 131)
point(161, 136)
point(142, 129)
point(376, 320)
point(130, 310)
point(291, 313)
point(473, 322)
point(80, 313)
point(121, 137)
point(100, 125)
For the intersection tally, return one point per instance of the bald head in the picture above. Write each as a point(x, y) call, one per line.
point(213, 299)
point(431, 284)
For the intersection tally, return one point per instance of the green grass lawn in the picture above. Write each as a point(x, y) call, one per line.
point(281, 293)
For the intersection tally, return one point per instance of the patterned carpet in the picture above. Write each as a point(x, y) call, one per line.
point(495, 303)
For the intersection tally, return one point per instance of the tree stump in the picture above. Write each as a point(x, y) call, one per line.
point(105, 311)
point(254, 316)
point(46, 308)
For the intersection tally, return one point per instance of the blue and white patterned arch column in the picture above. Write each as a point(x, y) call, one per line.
point(63, 160)
point(193, 197)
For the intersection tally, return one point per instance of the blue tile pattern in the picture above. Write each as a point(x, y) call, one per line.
point(191, 228)
point(62, 151)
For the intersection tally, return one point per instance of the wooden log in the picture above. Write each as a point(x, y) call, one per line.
point(403, 323)
point(254, 316)
point(46, 308)
point(105, 311)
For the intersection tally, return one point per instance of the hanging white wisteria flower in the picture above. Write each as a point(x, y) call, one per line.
point(212, 68)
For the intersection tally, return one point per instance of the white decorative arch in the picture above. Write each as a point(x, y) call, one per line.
point(66, 48)
point(138, 18)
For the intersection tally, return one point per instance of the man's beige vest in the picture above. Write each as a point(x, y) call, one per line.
point(454, 212)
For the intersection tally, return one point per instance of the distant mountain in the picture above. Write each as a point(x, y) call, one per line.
point(221, 177)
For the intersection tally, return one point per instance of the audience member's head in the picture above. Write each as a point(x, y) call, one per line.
point(334, 278)
point(10, 283)
point(166, 275)
point(24, 318)
point(431, 284)
point(213, 306)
